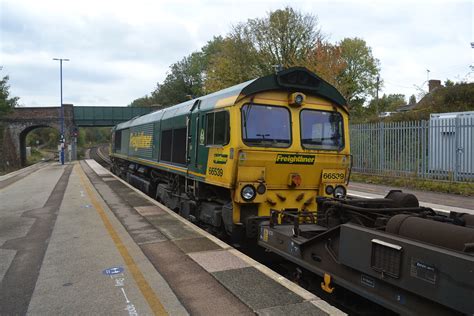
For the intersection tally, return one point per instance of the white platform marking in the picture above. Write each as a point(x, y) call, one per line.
point(98, 169)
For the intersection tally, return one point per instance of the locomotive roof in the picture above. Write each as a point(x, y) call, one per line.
point(293, 79)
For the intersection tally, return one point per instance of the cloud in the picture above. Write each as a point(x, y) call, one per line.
point(119, 50)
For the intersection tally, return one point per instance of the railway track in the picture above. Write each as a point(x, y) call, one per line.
point(101, 155)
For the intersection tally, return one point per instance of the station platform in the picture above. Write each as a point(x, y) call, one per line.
point(75, 239)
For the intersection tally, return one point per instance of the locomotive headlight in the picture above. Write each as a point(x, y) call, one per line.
point(329, 190)
point(248, 192)
point(339, 191)
point(297, 99)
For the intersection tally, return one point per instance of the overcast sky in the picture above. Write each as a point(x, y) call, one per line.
point(119, 50)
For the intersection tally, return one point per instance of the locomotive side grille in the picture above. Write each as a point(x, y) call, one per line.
point(386, 258)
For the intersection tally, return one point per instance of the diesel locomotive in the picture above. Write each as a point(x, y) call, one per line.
point(269, 160)
point(228, 158)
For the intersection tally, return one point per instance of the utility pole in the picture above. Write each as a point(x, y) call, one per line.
point(62, 140)
point(377, 97)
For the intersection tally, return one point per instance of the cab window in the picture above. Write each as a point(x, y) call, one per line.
point(117, 140)
point(266, 125)
point(321, 130)
point(217, 128)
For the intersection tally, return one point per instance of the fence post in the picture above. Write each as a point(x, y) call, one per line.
point(457, 148)
point(381, 147)
point(424, 154)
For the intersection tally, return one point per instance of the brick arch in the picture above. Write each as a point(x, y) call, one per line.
point(25, 132)
point(18, 123)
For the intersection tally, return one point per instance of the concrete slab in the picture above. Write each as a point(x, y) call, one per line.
point(305, 308)
point(137, 226)
point(22, 171)
point(149, 210)
point(293, 287)
point(26, 194)
point(196, 245)
point(199, 292)
point(128, 197)
point(6, 258)
point(12, 227)
point(12, 177)
point(101, 171)
point(218, 260)
point(172, 228)
point(255, 289)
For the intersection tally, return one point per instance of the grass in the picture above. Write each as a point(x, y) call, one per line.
point(35, 156)
point(461, 188)
point(38, 155)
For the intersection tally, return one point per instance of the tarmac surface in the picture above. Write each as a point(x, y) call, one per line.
point(75, 239)
point(442, 202)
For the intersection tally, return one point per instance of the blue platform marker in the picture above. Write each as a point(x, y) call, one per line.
point(113, 270)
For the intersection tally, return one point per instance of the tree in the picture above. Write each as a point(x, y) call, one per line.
point(359, 78)
point(46, 136)
point(449, 83)
point(412, 100)
point(142, 102)
point(185, 79)
point(387, 103)
point(6, 101)
point(235, 62)
point(325, 59)
point(285, 38)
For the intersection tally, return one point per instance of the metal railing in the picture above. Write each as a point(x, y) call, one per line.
point(442, 148)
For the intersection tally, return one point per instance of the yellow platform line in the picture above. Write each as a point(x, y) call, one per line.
point(147, 292)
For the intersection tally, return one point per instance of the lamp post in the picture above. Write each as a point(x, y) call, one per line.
point(62, 108)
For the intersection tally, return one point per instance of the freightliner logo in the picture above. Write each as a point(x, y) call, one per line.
point(295, 159)
point(220, 158)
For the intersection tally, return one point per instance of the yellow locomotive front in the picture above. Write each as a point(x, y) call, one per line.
point(288, 145)
point(293, 148)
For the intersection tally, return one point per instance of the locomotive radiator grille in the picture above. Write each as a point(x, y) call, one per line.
point(386, 258)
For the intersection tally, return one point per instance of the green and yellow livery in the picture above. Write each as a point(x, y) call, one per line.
point(227, 159)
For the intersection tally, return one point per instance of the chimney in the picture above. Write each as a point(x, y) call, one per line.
point(433, 84)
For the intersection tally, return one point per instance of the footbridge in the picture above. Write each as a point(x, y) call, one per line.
point(20, 121)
